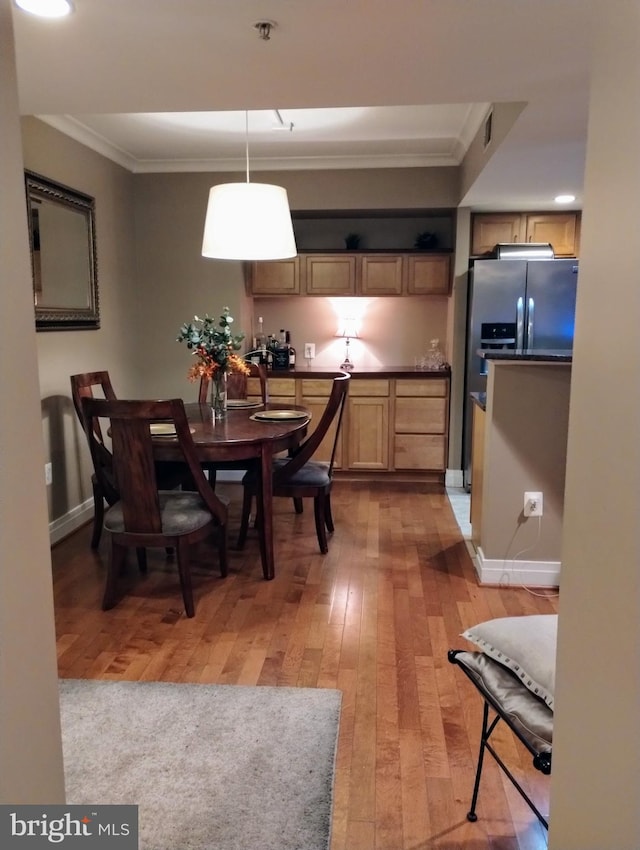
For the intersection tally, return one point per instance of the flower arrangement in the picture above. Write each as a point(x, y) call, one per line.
point(213, 344)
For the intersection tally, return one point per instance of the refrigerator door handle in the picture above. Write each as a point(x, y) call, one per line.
point(520, 323)
point(530, 322)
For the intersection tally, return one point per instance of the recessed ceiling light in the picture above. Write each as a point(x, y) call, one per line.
point(46, 8)
point(564, 199)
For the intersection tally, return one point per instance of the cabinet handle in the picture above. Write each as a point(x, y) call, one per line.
point(515, 237)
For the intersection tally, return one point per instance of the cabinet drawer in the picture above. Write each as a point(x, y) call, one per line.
point(281, 387)
point(419, 451)
point(316, 386)
point(375, 387)
point(421, 387)
point(420, 416)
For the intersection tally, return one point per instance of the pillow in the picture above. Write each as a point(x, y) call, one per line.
point(526, 645)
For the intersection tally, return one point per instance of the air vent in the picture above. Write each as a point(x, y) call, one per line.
point(488, 128)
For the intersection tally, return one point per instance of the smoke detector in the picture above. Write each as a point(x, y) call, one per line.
point(264, 29)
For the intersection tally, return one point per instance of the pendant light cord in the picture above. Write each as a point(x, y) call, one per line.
point(246, 135)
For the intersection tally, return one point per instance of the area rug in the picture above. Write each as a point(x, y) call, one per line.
point(211, 767)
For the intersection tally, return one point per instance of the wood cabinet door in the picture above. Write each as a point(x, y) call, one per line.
point(381, 274)
point(419, 452)
point(329, 274)
point(275, 277)
point(429, 274)
point(559, 229)
point(488, 229)
point(368, 432)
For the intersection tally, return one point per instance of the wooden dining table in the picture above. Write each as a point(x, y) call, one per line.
point(236, 437)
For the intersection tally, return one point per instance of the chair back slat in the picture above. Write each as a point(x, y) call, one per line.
point(333, 411)
point(82, 386)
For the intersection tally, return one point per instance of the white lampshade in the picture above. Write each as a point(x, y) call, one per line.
point(248, 221)
point(46, 8)
point(348, 327)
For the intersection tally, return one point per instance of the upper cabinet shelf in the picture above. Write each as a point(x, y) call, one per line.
point(368, 254)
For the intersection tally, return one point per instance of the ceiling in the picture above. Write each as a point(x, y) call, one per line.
point(164, 86)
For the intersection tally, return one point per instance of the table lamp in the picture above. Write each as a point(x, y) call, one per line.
point(347, 329)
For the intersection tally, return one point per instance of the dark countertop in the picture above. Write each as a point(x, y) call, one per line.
point(371, 372)
point(531, 355)
point(480, 399)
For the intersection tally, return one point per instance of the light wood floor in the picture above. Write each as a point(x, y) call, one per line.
point(374, 618)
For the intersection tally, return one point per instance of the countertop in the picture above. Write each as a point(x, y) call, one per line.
point(480, 399)
point(371, 372)
point(531, 355)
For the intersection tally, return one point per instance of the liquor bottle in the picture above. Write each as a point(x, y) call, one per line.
point(292, 351)
point(261, 342)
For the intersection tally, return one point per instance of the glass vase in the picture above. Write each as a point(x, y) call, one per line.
point(219, 395)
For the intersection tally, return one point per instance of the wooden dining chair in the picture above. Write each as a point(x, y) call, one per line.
point(145, 515)
point(171, 475)
point(237, 384)
point(82, 386)
point(299, 476)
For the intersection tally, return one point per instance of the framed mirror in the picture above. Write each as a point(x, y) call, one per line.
point(63, 255)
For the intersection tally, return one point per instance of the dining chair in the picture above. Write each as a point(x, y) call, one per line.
point(145, 515)
point(299, 476)
point(82, 386)
point(237, 384)
point(171, 475)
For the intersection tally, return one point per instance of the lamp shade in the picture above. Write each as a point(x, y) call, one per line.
point(348, 327)
point(248, 221)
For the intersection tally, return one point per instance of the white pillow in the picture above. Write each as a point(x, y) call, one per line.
point(526, 645)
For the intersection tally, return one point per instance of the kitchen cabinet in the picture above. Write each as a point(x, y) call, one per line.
point(314, 394)
point(330, 274)
point(428, 274)
point(381, 274)
point(274, 277)
point(367, 425)
point(396, 424)
point(477, 471)
point(561, 230)
point(421, 424)
point(353, 274)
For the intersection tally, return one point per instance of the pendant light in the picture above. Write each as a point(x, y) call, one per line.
point(248, 221)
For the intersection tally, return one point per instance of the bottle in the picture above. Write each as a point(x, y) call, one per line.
point(292, 352)
point(261, 342)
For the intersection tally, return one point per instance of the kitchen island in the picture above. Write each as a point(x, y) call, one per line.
point(519, 445)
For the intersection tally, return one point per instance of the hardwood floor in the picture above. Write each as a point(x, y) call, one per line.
point(374, 618)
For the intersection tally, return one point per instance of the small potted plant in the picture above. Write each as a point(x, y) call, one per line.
point(426, 241)
point(352, 241)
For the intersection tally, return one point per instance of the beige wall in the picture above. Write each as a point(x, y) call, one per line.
point(525, 449)
point(114, 346)
point(595, 784)
point(30, 745)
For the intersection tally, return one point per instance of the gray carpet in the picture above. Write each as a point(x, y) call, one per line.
point(211, 767)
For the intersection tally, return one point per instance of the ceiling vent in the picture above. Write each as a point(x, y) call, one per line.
point(488, 129)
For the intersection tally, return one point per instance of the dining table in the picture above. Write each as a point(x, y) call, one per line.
point(248, 431)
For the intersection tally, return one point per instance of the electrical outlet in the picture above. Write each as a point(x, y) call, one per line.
point(532, 503)
point(48, 474)
point(309, 350)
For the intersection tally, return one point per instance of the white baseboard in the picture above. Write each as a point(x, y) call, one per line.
point(72, 520)
point(530, 573)
point(453, 478)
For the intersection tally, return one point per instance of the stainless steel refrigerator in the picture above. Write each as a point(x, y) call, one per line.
point(515, 304)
